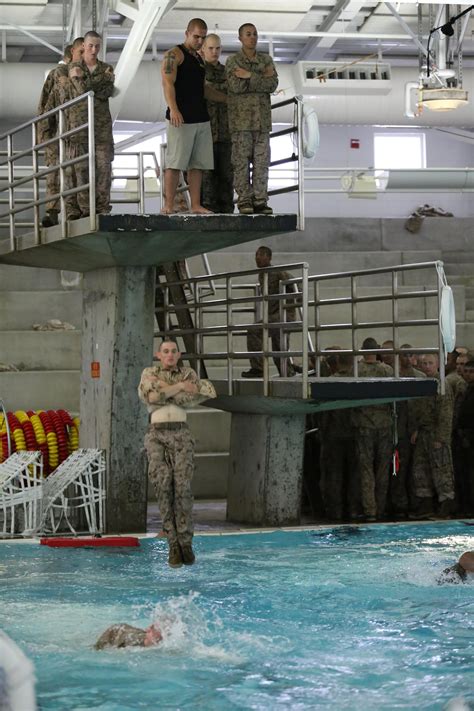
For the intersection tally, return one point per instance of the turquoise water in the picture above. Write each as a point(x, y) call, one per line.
point(341, 618)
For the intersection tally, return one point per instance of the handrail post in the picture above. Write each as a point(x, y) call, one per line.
point(91, 151)
point(230, 337)
point(354, 324)
point(141, 184)
point(198, 318)
point(35, 184)
point(317, 318)
point(265, 339)
point(162, 174)
point(299, 126)
point(304, 289)
point(11, 191)
point(441, 354)
point(62, 177)
point(283, 370)
point(395, 316)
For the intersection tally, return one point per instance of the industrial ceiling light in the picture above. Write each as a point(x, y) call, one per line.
point(444, 99)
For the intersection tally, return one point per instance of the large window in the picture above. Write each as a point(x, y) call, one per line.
point(399, 150)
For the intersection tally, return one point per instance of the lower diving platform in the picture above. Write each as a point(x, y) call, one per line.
point(139, 240)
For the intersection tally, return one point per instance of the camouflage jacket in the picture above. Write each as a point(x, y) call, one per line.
point(64, 89)
point(406, 409)
point(101, 82)
point(249, 99)
point(215, 75)
point(274, 279)
point(149, 383)
point(49, 127)
point(374, 416)
point(435, 415)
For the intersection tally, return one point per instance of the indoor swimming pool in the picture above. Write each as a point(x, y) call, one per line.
point(338, 618)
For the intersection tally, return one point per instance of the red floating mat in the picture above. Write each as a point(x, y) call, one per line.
point(115, 541)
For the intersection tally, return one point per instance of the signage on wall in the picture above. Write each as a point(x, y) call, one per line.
point(355, 143)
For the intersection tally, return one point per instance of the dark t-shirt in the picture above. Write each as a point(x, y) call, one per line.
point(189, 88)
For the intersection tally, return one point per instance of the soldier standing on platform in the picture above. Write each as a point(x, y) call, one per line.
point(98, 77)
point(49, 127)
point(188, 133)
point(263, 258)
point(251, 78)
point(432, 461)
point(217, 184)
point(167, 389)
point(60, 91)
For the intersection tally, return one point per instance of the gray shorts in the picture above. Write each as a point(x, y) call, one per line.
point(189, 147)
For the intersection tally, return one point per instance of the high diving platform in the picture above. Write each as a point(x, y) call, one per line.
point(138, 240)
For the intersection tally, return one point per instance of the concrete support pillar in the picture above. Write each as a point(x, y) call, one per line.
point(265, 469)
point(117, 343)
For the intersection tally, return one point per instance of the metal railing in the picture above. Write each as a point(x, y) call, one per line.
point(18, 205)
point(297, 289)
point(297, 157)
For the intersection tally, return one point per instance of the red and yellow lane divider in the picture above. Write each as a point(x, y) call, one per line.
point(54, 432)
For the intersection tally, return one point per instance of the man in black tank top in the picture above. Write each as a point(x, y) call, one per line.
point(189, 138)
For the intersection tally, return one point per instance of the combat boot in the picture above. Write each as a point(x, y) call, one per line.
point(175, 558)
point(188, 554)
point(445, 508)
point(262, 209)
point(423, 510)
point(50, 219)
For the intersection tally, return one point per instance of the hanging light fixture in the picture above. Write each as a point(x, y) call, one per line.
point(445, 99)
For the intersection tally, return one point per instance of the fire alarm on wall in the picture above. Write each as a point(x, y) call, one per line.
point(355, 143)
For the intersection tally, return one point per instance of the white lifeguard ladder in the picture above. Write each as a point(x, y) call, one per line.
point(21, 479)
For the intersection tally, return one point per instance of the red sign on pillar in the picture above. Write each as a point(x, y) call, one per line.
point(355, 143)
point(95, 369)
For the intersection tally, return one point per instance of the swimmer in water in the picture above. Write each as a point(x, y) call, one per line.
point(459, 572)
point(123, 635)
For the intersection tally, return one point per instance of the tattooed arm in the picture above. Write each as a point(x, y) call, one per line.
point(169, 68)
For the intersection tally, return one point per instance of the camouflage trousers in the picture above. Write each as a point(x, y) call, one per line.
point(170, 470)
point(51, 157)
point(255, 343)
point(77, 205)
point(78, 174)
point(217, 191)
point(339, 480)
point(251, 148)
point(373, 453)
point(432, 469)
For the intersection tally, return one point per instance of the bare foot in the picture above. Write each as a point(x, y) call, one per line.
point(166, 211)
point(200, 210)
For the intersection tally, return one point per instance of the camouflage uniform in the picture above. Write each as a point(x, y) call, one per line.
point(255, 337)
point(121, 635)
point(401, 493)
point(170, 450)
point(63, 90)
point(46, 130)
point(101, 82)
point(250, 123)
point(465, 438)
point(217, 184)
point(458, 386)
point(373, 430)
point(340, 485)
point(433, 468)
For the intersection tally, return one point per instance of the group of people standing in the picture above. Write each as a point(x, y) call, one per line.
point(413, 459)
point(218, 122)
point(80, 71)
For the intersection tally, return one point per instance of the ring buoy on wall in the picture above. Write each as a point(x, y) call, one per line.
point(448, 319)
point(310, 131)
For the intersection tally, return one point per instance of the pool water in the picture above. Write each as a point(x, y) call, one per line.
point(339, 618)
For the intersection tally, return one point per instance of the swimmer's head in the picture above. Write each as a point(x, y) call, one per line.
point(153, 636)
point(466, 561)
point(455, 574)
